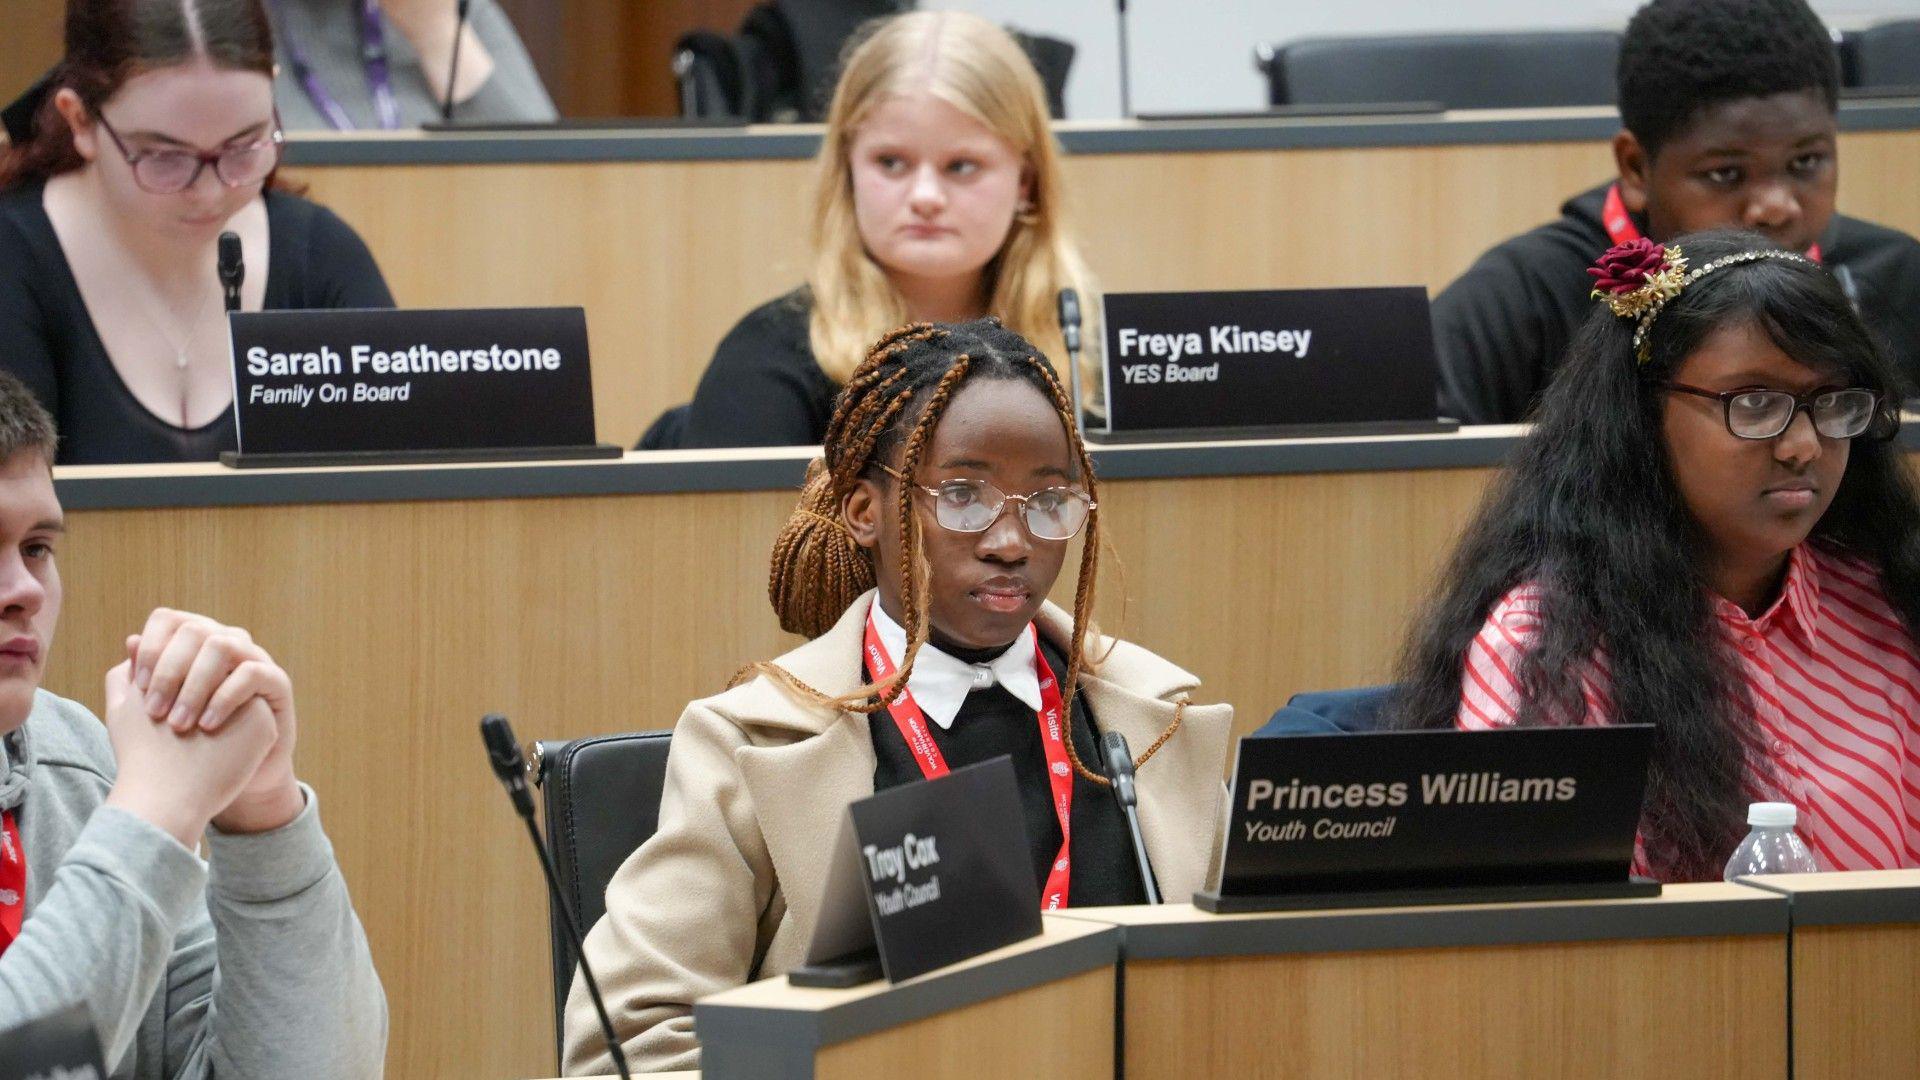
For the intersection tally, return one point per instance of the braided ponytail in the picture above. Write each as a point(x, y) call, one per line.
point(818, 568)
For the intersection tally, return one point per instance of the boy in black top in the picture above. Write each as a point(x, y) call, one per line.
point(1729, 110)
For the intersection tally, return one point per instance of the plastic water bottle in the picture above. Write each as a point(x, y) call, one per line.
point(1772, 847)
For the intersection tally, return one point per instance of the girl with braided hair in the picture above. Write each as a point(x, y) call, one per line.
point(918, 561)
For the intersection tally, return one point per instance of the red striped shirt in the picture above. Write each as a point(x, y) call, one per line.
point(1833, 678)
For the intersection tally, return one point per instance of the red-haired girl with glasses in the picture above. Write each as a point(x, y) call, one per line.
point(155, 134)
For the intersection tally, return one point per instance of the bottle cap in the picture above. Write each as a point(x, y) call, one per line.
point(1773, 815)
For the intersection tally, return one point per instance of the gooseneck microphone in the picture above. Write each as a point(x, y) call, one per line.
point(453, 66)
point(233, 269)
point(1848, 286)
point(1119, 763)
point(511, 767)
point(1070, 333)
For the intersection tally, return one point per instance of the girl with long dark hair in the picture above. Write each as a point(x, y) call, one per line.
point(155, 134)
point(1709, 530)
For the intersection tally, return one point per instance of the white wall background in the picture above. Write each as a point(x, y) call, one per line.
point(1197, 55)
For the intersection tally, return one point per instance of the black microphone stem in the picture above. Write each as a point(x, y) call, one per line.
point(503, 754)
point(453, 67)
point(579, 949)
point(1132, 812)
point(232, 268)
point(1069, 311)
point(1126, 96)
point(1119, 761)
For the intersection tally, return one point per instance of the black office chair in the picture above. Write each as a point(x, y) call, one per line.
point(1456, 71)
point(1328, 712)
point(1053, 60)
point(780, 66)
point(1887, 55)
point(601, 800)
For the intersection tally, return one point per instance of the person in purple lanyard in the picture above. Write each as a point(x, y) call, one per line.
point(155, 134)
point(384, 64)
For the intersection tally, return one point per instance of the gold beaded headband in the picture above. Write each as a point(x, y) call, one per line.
point(1638, 278)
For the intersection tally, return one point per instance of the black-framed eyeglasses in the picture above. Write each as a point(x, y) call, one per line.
point(171, 171)
point(972, 506)
point(1836, 412)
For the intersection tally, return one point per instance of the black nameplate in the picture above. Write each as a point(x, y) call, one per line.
point(349, 381)
point(932, 873)
point(58, 1047)
point(1375, 812)
point(1271, 359)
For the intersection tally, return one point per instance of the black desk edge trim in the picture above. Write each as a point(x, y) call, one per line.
point(1850, 907)
point(641, 475)
point(1201, 135)
point(329, 459)
point(647, 474)
point(936, 993)
point(1233, 904)
point(1453, 928)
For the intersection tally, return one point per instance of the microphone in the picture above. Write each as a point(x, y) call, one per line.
point(1119, 762)
point(453, 66)
point(233, 270)
point(1126, 97)
point(503, 753)
point(1848, 286)
point(1070, 333)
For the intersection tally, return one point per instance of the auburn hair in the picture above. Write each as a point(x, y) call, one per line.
point(111, 41)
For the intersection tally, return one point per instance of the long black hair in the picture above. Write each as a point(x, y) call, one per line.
point(1589, 513)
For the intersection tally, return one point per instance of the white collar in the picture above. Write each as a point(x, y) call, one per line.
point(941, 683)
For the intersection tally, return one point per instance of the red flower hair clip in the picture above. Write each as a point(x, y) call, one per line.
point(1637, 275)
point(1637, 278)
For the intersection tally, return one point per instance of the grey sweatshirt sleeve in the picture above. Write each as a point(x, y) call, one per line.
point(257, 969)
point(279, 981)
point(105, 929)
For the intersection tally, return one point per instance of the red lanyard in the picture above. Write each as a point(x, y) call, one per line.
point(1621, 229)
point(912, 721)
point(13, 880)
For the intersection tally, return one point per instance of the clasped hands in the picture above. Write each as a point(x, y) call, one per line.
point(202, 726)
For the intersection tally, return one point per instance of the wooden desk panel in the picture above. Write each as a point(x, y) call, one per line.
point(403, 622)
point(1063, 1029)
point(667, 255)
point(1691, 983)
point(1856, 972)
point(1856, 1001)
point(1040, 1007)
point(1705, 1007)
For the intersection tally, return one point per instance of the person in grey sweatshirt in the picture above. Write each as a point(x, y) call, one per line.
point(249, 964)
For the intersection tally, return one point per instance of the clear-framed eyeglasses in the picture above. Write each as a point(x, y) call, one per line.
point(1836, 412)
point(972, 506)
point(171, 171)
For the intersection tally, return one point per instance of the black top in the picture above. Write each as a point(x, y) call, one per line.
point(48, 340)
point(993, 722)
point(1502, 328)
point(763, 387)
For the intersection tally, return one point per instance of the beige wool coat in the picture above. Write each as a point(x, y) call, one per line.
point(727, 891)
